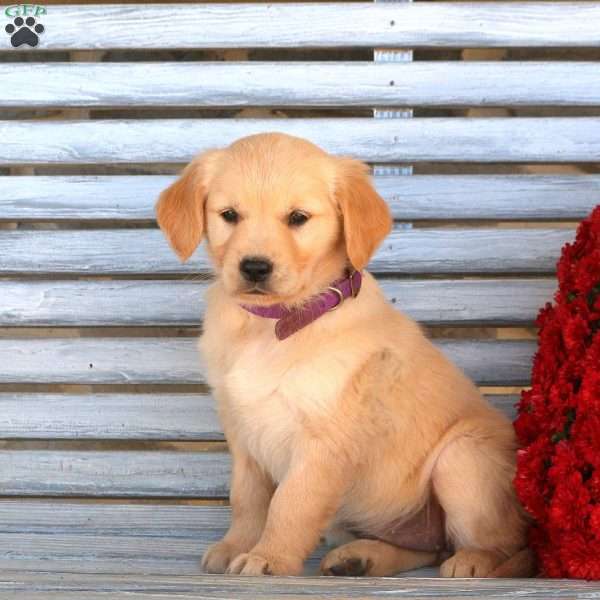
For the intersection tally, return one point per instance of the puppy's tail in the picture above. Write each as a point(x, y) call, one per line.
point(521, 564)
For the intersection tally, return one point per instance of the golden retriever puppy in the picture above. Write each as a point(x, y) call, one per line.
point(339, 413)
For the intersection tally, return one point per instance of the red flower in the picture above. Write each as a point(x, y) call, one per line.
point(558, 422)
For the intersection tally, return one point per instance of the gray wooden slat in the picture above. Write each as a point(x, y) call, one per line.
point(115, 473)
point(504, 197)
point(124, 416)
point(104, 554)
point(111, 538)
point(109, 416)
point(121, 251)
point(131, 198)
point(175, 360)
point(301, 84)
point(559, 139)
point(181, 303)
point(118, 520)
point(460, 24)
point(34, 586)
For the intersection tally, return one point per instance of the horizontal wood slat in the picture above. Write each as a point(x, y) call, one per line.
point(504, 197)
point(115, 473)
point(202, 523)
point(404, 251)
point(113, 416)
point(175, 360)
point(125, 416)
point(181, 303)
point(301, 84)
point(560, 139)
point(109, 538)
point(460, 24)
point(155, 587)
point(434, 197)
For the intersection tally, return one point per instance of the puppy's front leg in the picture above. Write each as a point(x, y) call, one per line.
point(301, 509)
point(251, 491)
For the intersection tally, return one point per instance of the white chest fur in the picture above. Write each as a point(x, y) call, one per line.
point(275, 390)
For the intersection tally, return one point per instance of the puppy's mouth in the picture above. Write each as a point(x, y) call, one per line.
point(256, 291)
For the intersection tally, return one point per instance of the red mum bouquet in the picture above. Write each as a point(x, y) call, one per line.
point(558, 425)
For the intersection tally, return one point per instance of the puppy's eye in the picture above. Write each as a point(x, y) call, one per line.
point(297, 218)
point(230, 216)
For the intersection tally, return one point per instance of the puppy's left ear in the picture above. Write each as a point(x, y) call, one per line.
point(366, 216)
point(180, 208)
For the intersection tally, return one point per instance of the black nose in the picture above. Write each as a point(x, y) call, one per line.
point(256, 268)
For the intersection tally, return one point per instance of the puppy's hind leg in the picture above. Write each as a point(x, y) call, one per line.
point(472, 479)
point(374, 558)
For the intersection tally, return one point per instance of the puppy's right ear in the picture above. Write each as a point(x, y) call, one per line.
point(180, 208)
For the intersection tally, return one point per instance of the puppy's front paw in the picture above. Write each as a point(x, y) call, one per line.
point(252, 563)
point(471, 563)
point(217, 557)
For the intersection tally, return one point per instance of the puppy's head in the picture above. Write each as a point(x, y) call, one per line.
point(281, 217)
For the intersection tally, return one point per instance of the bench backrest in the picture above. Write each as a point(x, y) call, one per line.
point(99, 319)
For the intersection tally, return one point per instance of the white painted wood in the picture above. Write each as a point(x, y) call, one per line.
point(460, 24)
point(560, 139)
point(37, 586)
point(122, 251)
point(175, 360)
point(155, 416)
point(433, 197)
point(115, 473)
point(119, 520)
point(184, 417)
point(110, 538)
point(503, 197)
point(181, 303)
point(301, 84)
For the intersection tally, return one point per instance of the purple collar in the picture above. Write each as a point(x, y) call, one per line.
point(291, 320)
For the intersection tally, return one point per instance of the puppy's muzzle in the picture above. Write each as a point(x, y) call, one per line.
point(256, 269)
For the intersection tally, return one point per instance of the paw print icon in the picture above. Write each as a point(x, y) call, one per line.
point(24, 31)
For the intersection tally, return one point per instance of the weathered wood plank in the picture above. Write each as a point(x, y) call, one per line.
point(109, 416)
point(33, 586)
point(301, 84)
point(118, 520)
point(116, 473)
point(560, 139)
point(122, 251)
point(439, 197)
point(460, 24)
point(181, 303)
point(175, 360)
point(124, 416)
point(504, 197)
point(110, 538)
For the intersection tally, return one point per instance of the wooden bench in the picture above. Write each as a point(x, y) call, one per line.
point(113, 470)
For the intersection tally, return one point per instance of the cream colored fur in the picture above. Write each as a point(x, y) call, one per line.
point(353, 420)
